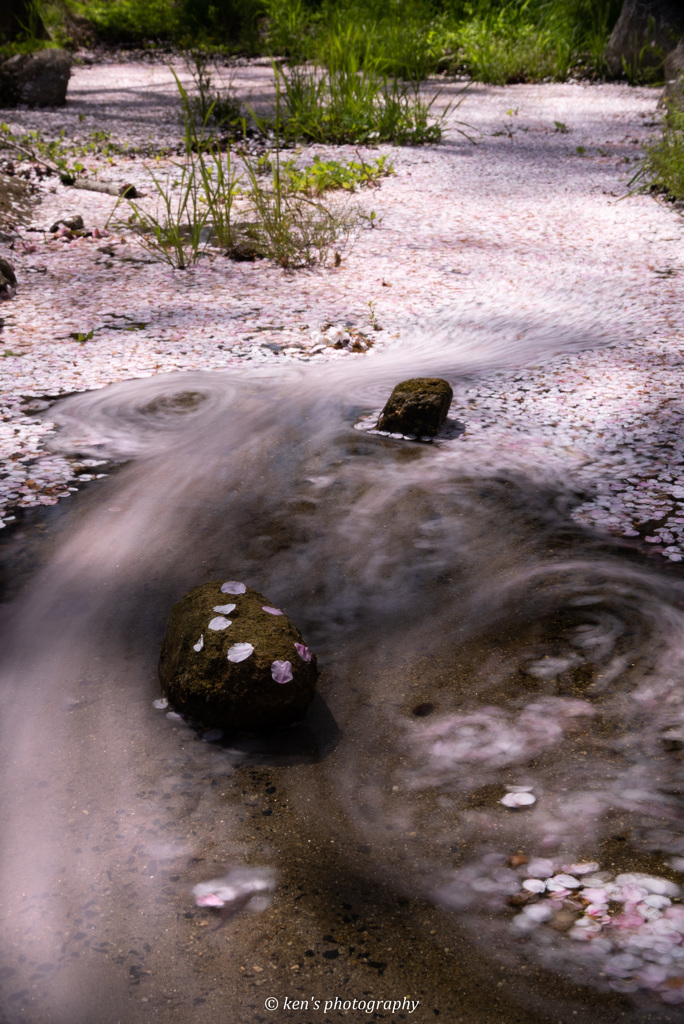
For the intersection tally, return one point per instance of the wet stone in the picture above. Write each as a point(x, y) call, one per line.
point(230, 683)
point(417, 406)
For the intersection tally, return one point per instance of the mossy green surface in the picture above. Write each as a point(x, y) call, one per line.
point(236, 697)
point(417, 406)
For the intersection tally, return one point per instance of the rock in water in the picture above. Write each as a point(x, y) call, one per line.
point(417, 406)
point(248, 674)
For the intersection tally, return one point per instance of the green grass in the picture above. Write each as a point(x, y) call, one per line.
point(350, 101)
point(493, 40)
point(662, 169)
point(281, 218)
point(323, 175)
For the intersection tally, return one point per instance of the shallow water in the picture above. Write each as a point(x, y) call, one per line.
point(471, 638)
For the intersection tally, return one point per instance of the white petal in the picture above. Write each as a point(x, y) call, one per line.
point(233, 588)
point(238, 652)
point(518, 800)
point(160, 704)
point(225, 609)
point(219, 622)
point(567, 881)
point(199, 645)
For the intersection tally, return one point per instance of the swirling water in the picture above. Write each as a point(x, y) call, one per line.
point(474, 642)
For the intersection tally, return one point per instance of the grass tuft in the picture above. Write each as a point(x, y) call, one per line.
point(662, 169)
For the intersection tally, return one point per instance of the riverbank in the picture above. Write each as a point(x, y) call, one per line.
point(520, 256)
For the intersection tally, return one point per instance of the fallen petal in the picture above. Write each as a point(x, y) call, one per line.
point(219, 622)
point(238, 652)
point(518, 800)
point(162, 704)
point(199, 645)
point(271, 611)
point(567, 881)
point(303, 652)
point(233, 588)
point(584, 868)
point(210, 900)
point(225, 609)
point(534, 885)
point(282, 671)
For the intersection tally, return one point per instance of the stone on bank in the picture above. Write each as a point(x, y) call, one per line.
point(230, 660)
point(37, 79)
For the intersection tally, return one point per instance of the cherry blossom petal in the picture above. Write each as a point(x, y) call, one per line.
point(303, 652)
point(220, 622)
point(199, 645)
point(210, 900)
point(233, 588)
point(224, 609)
point(282, 671)
point(238, 652)
point(518, 800)
point(162, 703)
point(270, 610)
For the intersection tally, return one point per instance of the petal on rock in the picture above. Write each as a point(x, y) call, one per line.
point(233, 588)
point(303, 652)
point(160, 704)
point(271, 611)
point(200, 644)
point(238, 652)
point(225, 609)
point(282, 671)
point(219, 622)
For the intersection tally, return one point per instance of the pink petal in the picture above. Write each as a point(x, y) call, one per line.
point(595, 895)
point(303, 652)
point(282, 671)
point(231, 587)
point(238, 652)
point(271, 611)
point(210, 900)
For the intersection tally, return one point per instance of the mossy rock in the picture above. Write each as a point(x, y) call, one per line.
point(417, 406)
point(199, 673)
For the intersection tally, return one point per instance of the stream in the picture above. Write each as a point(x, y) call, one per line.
point(475, 644)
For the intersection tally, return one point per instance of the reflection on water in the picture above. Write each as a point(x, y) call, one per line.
point(487, 789)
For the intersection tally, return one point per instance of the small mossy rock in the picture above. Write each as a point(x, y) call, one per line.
point(417, 406)
point(236, 696)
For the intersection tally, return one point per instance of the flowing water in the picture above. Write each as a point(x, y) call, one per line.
point(473, 642)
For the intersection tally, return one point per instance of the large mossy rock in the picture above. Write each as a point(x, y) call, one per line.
point(645, 32)
point(239, 668)
point(417, 407)
point(38, 79)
